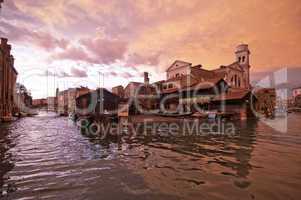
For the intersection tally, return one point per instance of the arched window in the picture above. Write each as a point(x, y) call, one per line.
point(243, 59)
point(238, 82)
point(239, 59)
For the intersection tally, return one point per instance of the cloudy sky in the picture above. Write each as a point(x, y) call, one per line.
point(76, 39)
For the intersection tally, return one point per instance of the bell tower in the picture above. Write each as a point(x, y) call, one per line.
point(243, 58)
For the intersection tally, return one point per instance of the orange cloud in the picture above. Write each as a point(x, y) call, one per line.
point(156, 32)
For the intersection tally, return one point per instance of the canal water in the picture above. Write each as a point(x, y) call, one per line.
point(46, 157)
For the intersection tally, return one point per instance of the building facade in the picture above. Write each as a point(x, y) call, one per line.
point(52, 104)
point(237, 74)
point(62, 102)
point(97, 102)
point(8, 77)
point(39, 103)
point(296, 100)
point(205, 86)
point(131, 89)
point(66, 100)
point(118, 90)
point(296, 92)
point(73, 93)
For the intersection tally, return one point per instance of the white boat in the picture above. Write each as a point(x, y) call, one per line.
point(211, 115)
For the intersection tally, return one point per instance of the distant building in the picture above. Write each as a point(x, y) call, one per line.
point(296, 92)
point(296, 101)
point(265, 101)
point(8, 77)
point(97, 102)
point(182, 76)
point(62, 102)
point(191, 88)
point(67, 99)
point(188, 85)
point(237, 75)
point(23, 96)
point(140, 97)
point(131, 89)
point(118, 90)
point(147, 97)
point(39, 103)
point(73, 93)
point(52, 104)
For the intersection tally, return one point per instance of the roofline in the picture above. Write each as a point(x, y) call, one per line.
point(13, 58)
point(207, 70)
point(178, 61)
point(15, 70)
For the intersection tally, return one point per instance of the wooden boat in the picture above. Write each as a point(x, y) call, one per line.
point(175, 114)
point(200, 115)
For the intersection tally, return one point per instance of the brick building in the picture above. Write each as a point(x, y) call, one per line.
point(52, 104)
point(8, 77)
point(131, 89)
point(97, 102)
point(118, 90)
point(66, 99)
point(39, 103)
point(182, 74)
point(62, 102)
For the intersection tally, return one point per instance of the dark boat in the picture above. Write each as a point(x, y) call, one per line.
point(175, 114)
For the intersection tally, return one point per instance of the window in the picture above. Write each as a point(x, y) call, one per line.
point(170, 86)
point(177, 75)
point(164, 87)
point(239, 59)
point(238, 82)
point(243, 59)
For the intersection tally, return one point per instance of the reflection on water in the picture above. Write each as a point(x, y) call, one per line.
point(47, 157)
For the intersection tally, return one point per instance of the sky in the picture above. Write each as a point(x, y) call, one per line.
point(68, 43)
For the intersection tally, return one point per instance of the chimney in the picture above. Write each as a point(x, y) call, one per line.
point(3, 41)
point(146, 79)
